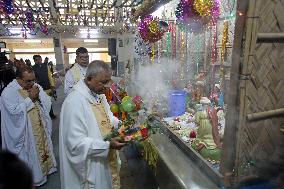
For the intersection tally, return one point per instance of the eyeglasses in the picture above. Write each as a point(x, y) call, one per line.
point(28, 81)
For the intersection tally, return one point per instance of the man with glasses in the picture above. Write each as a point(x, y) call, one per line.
point(86, 159)
point(26, 124)
point(78, 71)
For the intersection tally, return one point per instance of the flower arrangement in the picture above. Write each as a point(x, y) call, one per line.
point(132, 130)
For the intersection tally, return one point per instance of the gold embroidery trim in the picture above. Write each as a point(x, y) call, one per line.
point(39, 133)
point(105, 128)
point(76, 73)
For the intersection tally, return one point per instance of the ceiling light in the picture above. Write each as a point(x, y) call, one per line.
point(90, 31)
point(91, 41)
point(32, 41)
point(15, 30)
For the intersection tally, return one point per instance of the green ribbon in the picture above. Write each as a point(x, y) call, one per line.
point(168, 44)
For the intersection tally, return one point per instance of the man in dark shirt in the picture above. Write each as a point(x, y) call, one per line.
point(44, 78)
point(7, 73)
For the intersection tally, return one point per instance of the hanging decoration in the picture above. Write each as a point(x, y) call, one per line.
point(224, 41)
point(173, 37)
point(197, 47)
point(213, 54)
point(153, 53)
point(44, 28)
point(7, 6)
point(223, 52)
point(168, 44)
point(185, 10)
point(159, 51)
point(207, 8)
point(188, 17)
point(29, 17)
point(141, 48)
point(150, 153)
point(182, 47)
point(181, 26)
point(214, 47)
point(151, 30)
point(182, 54)
point(190, 55)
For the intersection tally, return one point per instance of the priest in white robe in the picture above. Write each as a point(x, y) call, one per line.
point(26, 125)
point(78, 70)
point(87, 161)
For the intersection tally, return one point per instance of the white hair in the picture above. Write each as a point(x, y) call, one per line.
point(96, 67)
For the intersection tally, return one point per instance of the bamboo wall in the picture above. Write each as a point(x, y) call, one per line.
point(258, 148)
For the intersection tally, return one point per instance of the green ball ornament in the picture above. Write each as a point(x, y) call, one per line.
point(126, 98)
point(114, 108)
point(128, 106)
point(121, 108)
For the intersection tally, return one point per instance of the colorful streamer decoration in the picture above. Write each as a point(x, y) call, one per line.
point(213, 54)
point(188, 17)
point(189, 55)
point(185, 9)
point(151, 30)
point(197, 47)
point(153, 53)
point(141, 49)
point(44, 29)
point(159, 53)
point(223, 51)
point(7, 6)
point(168, 44)
point(174, 42)
point(182, 54)
point(29, 16)
point(207, 8)
point(224, 41)
point(182, 47)
point(214, 47)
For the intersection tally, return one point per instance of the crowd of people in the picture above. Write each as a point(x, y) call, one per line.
point(86, 160)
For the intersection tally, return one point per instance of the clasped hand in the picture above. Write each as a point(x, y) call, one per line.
point(34, 93)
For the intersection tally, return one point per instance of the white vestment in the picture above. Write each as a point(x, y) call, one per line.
point(72, 77)
point(83, 152)
point(17, 129)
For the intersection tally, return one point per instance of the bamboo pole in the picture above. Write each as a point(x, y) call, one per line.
point(232, 117)
point(270, 37)
point(265, 115)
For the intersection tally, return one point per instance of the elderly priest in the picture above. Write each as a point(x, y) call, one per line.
point(26, 125)
point(86, 160)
